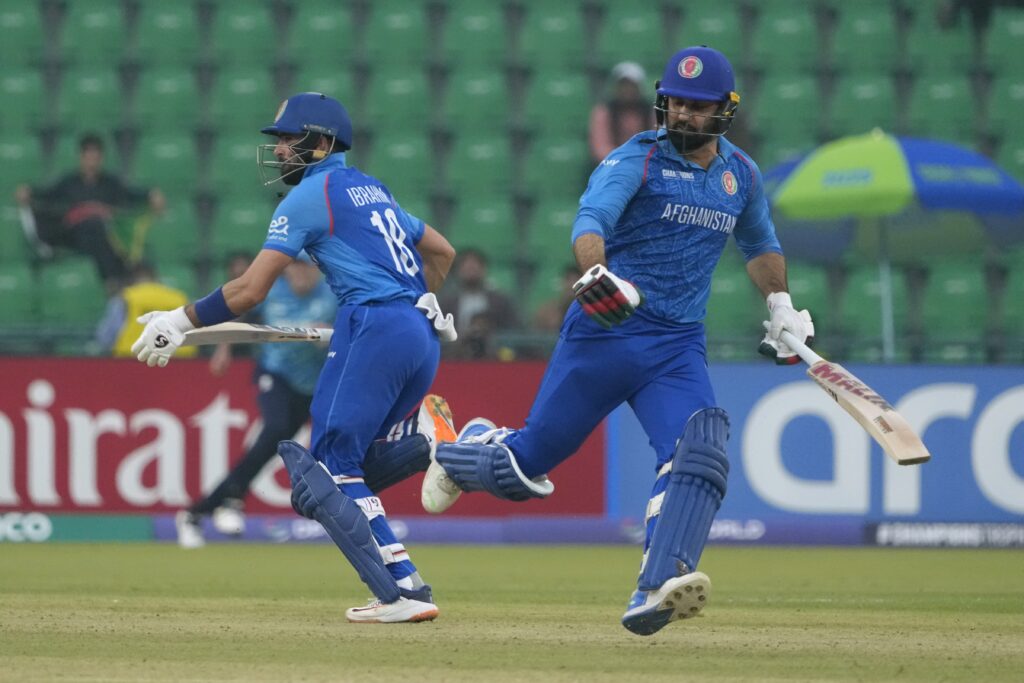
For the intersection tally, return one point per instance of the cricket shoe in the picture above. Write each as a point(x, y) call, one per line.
point(413, 606)
point(439, 492)
point(229, 517)
point(190, 533)
point(681, 597)
point(435, 421)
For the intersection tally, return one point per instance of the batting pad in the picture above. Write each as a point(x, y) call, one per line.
point(391, 462)
point(693, 494)
point(315, 495)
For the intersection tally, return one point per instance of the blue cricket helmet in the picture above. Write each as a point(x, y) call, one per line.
point(698, 73)
point(312, 112)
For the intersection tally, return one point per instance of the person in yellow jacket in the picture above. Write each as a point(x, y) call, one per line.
point(118, 330)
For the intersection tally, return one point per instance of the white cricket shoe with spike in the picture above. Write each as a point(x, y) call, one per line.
point(680, 597)
point(439, 492)
point(229, 518)
point(402, 610)
point(190, 533)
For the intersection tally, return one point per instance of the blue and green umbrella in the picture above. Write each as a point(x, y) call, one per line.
point(879, 183)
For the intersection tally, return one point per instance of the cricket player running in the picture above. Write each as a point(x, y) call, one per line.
point(651, 227)
point(380, 262)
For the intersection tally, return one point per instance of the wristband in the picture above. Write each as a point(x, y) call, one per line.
point(213, 309)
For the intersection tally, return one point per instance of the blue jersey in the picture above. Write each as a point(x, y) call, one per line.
point(355, 231)
point(665, 220)
point(299, 364)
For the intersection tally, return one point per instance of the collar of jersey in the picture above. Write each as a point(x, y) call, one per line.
point(680, 159)
point(336, 160)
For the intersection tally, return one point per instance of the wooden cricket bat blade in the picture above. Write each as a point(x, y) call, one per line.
point(882, 422)
point(248, 333)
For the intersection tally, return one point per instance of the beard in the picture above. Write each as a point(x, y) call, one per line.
point(687, 141)
point(291, 173)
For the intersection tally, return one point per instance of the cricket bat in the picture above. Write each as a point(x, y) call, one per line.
point(882, 422)
point(248, 333)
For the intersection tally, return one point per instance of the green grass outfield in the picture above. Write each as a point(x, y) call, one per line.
point(149, 612)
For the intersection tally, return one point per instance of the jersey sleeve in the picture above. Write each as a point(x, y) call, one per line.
point(299, 220)
point(413, 226)
point(755, 231)
point(612, 185)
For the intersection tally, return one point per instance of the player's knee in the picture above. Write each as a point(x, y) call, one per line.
point(700, 451)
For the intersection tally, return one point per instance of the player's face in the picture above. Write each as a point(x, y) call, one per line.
point(284, 152)
point(686, 121)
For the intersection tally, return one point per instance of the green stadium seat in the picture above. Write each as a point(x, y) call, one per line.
point(1004, 42)
point(479, 165)
point(955, 285)
point(21, 91)
point(546, 284)
point(941, 107)
point(70, 292)
point(785, 37)
point(167, 33)
point(734, 313)
point(787, 105)
point(861, 103)
point(861, 309)
point(21, 161)
point(1012, 319)
point(558, 102)
point(1006, 102)
point(713, 23)
point(1011, 157)
point(398, 99)
point(167, 160)
point(242, 32)
point(18, 292)
point(332, 80)
point(398, 33)
point(865, 39)
point(239, 224)
point(320, 34)
point(14, 247)
point(475, 33)
point(632, 32)
point(21, 33)
point(487, 223)
point(243, 97)
point(404, 164)
point(167, 98)
point(940, 49)
point(174, 237)
point(549, 231)
point(180, 276)
point(232, 165)
point(777, 148)
point(89, 98)
point(552, 35)
point(557, 166)
point(93, 33)
point(477, 99)
point(809, 287)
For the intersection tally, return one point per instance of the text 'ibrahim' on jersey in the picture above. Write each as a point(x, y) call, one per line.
point(665, 220)
point(354, 230)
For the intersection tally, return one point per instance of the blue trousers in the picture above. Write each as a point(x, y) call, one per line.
point(659, 369)
point(381, 363)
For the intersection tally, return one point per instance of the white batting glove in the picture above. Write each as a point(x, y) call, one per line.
point(785, 317)
point(163, 334)
point(605, 297)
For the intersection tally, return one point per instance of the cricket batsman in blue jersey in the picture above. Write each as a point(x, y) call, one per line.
point(651, 227)
point(383, 265)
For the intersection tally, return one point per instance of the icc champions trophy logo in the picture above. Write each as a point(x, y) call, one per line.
point(690, 67)
point(729, 183)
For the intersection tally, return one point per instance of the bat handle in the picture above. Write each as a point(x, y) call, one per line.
point(802, 350)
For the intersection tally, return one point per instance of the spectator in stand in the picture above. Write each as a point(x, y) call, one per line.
point(77, 210)
point(624, 112)
point(471, 295)
point(119, 328)
point(550, 314)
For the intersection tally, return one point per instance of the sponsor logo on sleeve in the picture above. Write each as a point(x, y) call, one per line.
point(278, 229)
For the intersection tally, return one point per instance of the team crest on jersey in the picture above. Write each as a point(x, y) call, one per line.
point(280, 110)
point(729, 183)
point(690, 67)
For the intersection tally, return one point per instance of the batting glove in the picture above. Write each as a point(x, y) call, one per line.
point(163, 334)
point(605, 297)
point(785, 317)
